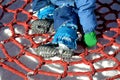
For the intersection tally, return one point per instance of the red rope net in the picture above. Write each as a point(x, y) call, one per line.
point(16, 45)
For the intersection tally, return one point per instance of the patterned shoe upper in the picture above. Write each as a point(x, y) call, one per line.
point(42, 26)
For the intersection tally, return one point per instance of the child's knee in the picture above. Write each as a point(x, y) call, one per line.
point(63, 15)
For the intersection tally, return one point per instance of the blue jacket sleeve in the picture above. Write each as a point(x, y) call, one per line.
point(86, 14)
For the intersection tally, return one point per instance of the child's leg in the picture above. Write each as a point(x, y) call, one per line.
point(44, 8)
point(65, 24)
point(86, 14)
point(44, 11)
point(88, 20)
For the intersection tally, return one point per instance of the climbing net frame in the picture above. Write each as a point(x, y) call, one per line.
point(15, 21)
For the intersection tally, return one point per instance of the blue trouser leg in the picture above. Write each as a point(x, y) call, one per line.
point(64, 15)
point(43, 8)
point(86, 14)
point(65, 25)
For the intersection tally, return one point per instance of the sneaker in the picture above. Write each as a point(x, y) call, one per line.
point(47, 50)
point(64, 52)
point(51, 50)
point(90, 39)
point(42, 26)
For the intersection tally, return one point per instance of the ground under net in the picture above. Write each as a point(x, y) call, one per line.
point(18, 60)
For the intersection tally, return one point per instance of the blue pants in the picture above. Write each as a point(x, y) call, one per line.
point(77, 9)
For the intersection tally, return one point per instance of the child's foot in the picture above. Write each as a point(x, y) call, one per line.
point(90, 39)
point(42, 26)
point(64, 52)
point(51, 50)
point(47, 50)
